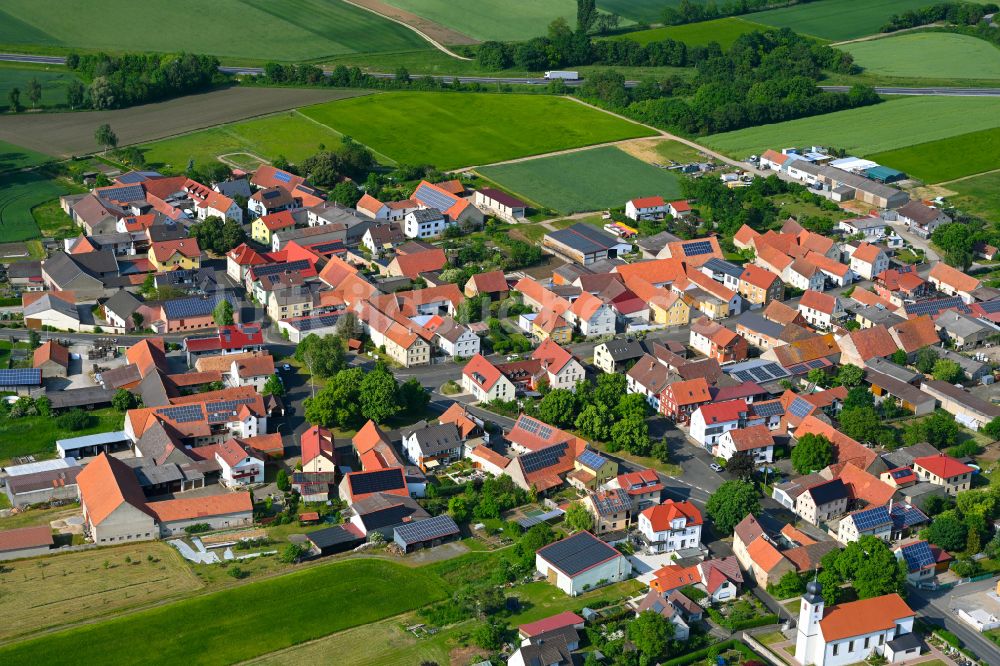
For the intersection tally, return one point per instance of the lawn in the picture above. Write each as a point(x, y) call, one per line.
point(53, 221)
point(242, 622)
point(724, 31)
point(932, 55)
point(954, 157)
point(585, 180)
point(872, 129)
point(836, 19)
point(37, 435)
point(295, 30)
point(979, 195)
point(41, 593)
point(20, 192)
point(55, 80)
point(451, 130)
point(505, 20)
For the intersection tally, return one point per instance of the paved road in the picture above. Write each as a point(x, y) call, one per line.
point(937, 607)
point(513, 80)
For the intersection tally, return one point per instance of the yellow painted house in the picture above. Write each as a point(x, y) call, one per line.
point(670, 310)
point(548, 324)
point(175, 255)
point(265, 225)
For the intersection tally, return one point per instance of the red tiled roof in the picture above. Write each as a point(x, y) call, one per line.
point(661, 516)
point(758, 277)
point(553, 357)
point(817, 300)
point(953, 277)
point(914, 334)
point(752, 437)
point(492, 282)
point(280, 220)
point(412, 265)
point(188, 508)
point(564, 619)
point(867, 616)
point(648, 202)
point(943, 466)
point(867, 253)
point(27, 537)
point(482, 372)
point(723, 412)
point(691, 392)
point(51, 351)
point(107, 483)
point(187, 247)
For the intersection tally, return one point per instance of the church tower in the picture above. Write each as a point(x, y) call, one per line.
point(807, 642)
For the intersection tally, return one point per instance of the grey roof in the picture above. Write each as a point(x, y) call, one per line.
point(165, 232)
point(962, 325)
point(96, 439)
point(51, 478)
point(292, 295)
point(154, 390)
point(550, 648)
point(904, 457)
point(657, 242)
point(970, 366)
point(578, 553)
point(435, 439)
point(233, 188)
point(50, 302)
point(425, 215)
point(380, 510)
point(97, 264)
point(134, 177)
point(624, 350)
point(118, 377)
point(24, 269)
point(79, 397)
point(899, 389)
point(116, 238)
point(897, 372)
point(152, 475)
point(905, 642)
point(61, 269)
point(717, 265)
point(123, 303)
point(157, 442)
point(755, 322)
point(585, 238)
point(850, 179)
point(426, 530)
point(831, 491)
point(876, 315)
point(451, 330)
point(962, 397)
point(570, 272)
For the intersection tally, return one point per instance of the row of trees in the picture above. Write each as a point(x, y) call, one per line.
point(958, 239)
point(118, 81)
point(958, 13)
point(687, 11)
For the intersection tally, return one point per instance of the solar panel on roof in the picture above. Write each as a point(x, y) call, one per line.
point(318, 321)
point(195, 306)
point(774, 370)
point(817, 363)
point(935, 306)
point(800, 408)
point(547, 457)
point(544, 431)
point(577, 553)
point(433, 198)
point(426, 530)
point(182, 413)
point(377, 481)
point(125, 193)
point(869, 519)
point(991, 307)
point(696, 248)
point(918, 555)
point(767, 409)
point(21, 377)
point(742, 375)
point(591, 459)
point(904, 515)
point(282, 177)
point(798, 369)
point(759, 374)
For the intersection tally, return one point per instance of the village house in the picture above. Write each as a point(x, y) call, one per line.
point(581, 562)
point(920, 218)
point(432, 446)
point(868, 261)
point(680, 400)
point(756, 441)
point(611, 509)
point(760, 286)
point(174, 255)
point(671, 526)
point(238, 466)
point(716, 341)
point(820, 310)
point(943, 470)
point(644, 487)
point(646, 208)
point(585, 244)
point(615, 356)
point(52, 359)
point(485, 382)
point(953, 282)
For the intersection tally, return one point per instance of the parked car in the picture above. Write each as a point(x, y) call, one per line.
point(716, 467)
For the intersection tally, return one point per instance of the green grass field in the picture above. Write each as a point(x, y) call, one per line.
point(933, 55)
point(242, 622)
point(955, 157)
point(54, 80)
point(724, 31)
point(873, 129)
point(836, 19)
point(15, 157)
point(37, 435)
point(505, 20)
point(19, 193)
point(292, 30)
point(645, 11)
point(451, 130)
point(979, 195)
point(585, 180)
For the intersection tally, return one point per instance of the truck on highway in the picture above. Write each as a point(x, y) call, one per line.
point(562, 74)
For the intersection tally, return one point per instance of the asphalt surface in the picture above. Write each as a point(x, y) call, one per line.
point(540, 81)
point(936, 607)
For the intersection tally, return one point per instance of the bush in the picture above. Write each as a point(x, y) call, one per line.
point(291, 553)
point(75, 420)
point(198, 528)
point(237, 573)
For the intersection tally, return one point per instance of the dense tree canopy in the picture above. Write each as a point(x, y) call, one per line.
point(731, 503)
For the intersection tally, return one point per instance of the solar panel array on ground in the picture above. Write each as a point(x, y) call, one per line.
point(531, 521)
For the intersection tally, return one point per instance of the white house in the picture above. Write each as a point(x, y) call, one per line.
point(580, 563)
point(671, 526)
point(561, 368)
point(849, 633)
point(238, 466)
point(253, 371)
point(709, 422)
point(646, 208)
point(424, 223)
point(868, 261)
point(755, 440)
point(873, 521)
point(820, 309)
point(805, 276)
point(456, 340)
point(592, 315)
point(430, 446)
point(485, 382)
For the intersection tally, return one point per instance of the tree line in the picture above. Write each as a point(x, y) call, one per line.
point(118, 81)
point(957, 13)
point(687, 11)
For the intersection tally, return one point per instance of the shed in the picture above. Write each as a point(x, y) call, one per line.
point(883, 174)
point(425, 533)
point(92, 445)
point(25, 542)
point(581, 562)
point(334, 540)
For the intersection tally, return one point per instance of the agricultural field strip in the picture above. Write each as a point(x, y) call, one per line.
point(955, 158)
point(931, 55)
point(384, 159)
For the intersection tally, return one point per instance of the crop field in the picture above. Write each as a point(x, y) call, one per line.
point(836, 19)
point(505, 20)
point(54, 80)
point(868, 130)
point(40, 593)
point(293, 30)
point(452, 130)
point(244, 621)
point(644, 11)
point(724, 31)
point(932, 55)
point(947, 159)
point(585, 180)
point(979, 195)
point(15, 157)
point(19, 193)
point(66, 134)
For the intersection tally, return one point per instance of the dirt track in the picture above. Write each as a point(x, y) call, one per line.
point(66, 134)
point(435, 31)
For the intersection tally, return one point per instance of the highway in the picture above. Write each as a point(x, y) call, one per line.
point(539, 81)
